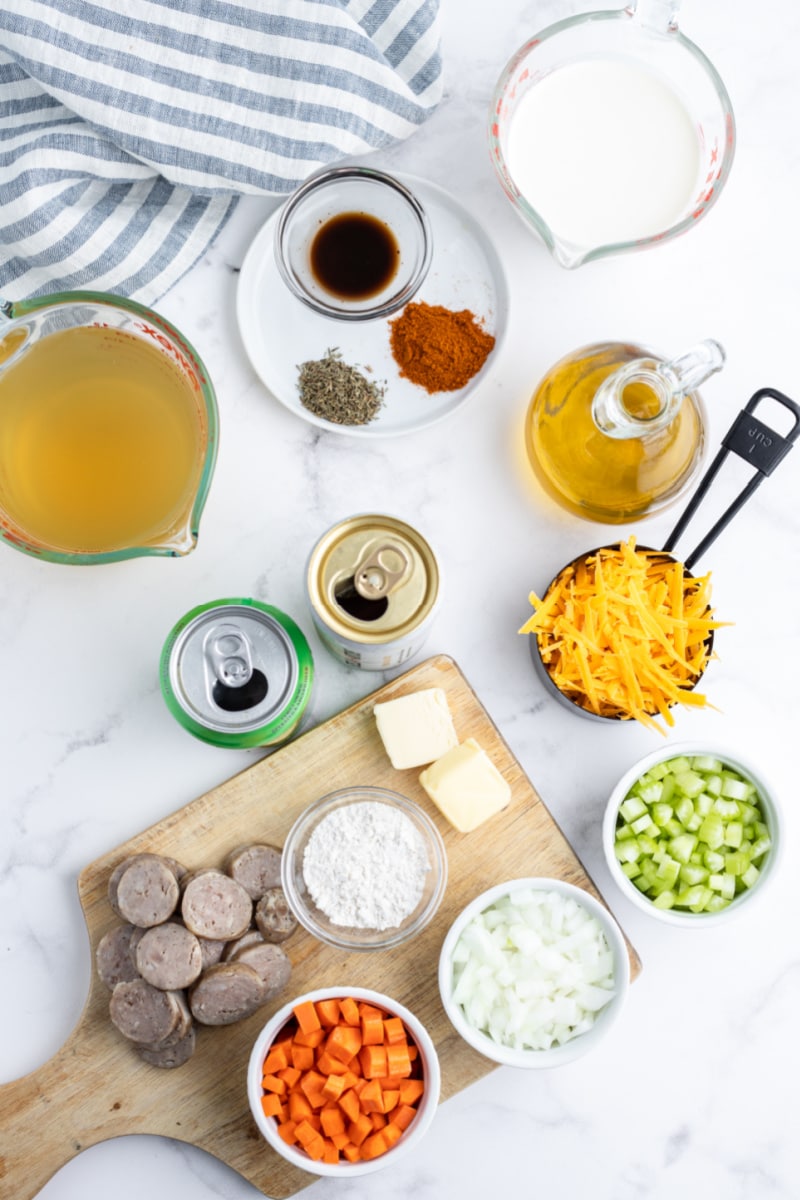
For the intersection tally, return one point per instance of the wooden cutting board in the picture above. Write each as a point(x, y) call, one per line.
point(96, 1088)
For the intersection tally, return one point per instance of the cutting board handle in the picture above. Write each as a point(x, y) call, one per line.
point(61, 1108)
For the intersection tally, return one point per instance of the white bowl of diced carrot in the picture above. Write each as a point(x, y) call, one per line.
point(342, 1081)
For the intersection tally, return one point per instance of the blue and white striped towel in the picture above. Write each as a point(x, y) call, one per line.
point(129, 127)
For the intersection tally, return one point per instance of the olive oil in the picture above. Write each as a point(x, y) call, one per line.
point(610, 477)
point(102, 441)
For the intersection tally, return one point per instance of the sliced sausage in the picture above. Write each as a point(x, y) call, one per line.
point(211, 950)
point(169, 956)
point(216, 906)
point(143, 1013)
point(275, 920)
point(226, 993)
point(113, 956)
point(252, 937)
point(256, 867)
point(147, 892)
point(170, 1056)
point(270, 963)
point(119, 870)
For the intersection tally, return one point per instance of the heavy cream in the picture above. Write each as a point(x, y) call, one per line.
point(605, 151)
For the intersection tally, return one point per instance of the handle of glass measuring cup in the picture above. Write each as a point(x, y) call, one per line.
point(753, 441)
point(657, 16)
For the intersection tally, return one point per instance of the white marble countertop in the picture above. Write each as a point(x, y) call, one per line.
point(694, 1092)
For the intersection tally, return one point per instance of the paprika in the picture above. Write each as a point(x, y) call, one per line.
point(437, 348)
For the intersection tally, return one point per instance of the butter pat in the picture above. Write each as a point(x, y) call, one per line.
point(466, 786)
point(416, 729)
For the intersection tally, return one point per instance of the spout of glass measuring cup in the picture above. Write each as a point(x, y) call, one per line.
point(656, 16)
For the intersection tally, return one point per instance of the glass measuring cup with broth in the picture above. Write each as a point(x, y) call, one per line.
point(108, 430)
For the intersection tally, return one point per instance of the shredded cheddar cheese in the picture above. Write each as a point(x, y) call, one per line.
point(626, 633)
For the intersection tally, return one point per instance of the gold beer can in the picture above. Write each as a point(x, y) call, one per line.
point(373, 587)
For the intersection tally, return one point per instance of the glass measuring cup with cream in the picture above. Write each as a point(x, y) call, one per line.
point(611, 131)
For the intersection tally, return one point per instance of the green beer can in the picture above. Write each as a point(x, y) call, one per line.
point(238, 673)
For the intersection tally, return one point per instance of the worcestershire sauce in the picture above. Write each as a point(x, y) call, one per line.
point(354, 255)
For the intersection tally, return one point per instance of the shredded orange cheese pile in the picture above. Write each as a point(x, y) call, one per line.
point(625, 633)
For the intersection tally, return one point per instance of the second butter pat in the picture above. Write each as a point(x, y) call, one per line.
point(417, 728)
point(466, 786)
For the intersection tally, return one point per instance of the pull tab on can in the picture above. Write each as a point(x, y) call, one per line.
point(228, 655)
point(384, 569)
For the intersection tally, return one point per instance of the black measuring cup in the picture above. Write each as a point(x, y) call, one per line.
point(748, 438)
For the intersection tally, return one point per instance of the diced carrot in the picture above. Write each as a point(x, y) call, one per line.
point(403, 1116)
point(330, 1065)
point(392, 1133)
point(349, 1104)
point(311, 1081)
point(374, 1145)
point(302, 1057)
point(397, 1059)
point(306, 1016)
point(359, 1129)
point(271, 1083)
point(341, 1079)
point(316, 1148)
point(276, 1060)
point(332, 1121)
point(271, 1105)
point(373, 1061)
point(286, 1131)
point(393, 1030)
point(372, 1097)
point(299, 1107)
point(330, 1153)
point(333, 1087)
point(328, 1011)
point(371, 1030)
point(349, 1011)
point(343, 1042)
point(305, 1133)
point(411, 1090)
point(413, 1051)
point(311, 1037)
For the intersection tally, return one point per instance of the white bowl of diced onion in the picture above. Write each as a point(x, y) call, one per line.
point(534, 972)
point(691, 834)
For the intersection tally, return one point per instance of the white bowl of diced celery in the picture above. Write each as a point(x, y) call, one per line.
point(691, 834)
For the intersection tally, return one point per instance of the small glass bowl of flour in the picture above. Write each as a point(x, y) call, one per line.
point(364, 868)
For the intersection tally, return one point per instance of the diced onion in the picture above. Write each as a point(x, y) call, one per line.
point(533, 970)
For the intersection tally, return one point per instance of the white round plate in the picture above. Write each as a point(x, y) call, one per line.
point(279, 332)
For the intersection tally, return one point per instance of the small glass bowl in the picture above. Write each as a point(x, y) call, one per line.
point(426, 1109)
point(316, 921)
point(772, 819)
point(333, 192)
point(567, 1051)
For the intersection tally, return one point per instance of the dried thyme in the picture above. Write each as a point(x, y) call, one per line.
point(337, 392)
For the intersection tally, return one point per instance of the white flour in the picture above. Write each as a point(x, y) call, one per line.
point(365, 866)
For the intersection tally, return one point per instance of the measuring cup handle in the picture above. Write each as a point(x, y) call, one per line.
point(756, 443)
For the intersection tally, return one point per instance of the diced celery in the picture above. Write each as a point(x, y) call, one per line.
point(712, 831)
point(713, 784)
point(681, 847)
point(691, 875)
point(647, 845)
point(714, 860)
point(724, 884)
point(703, 804)
point(736, 863)
point(631, 808)
point(624, 831)
point(726, 808)
point(684, 809)
point(679, 764)
point(760, 846)
point(733, 834)
point(650, 793)
point(668, 871)
point(667, 788)
point(664, 900)
point(704, 762)
point(689, 783)
point(631, 869)
point(736, 789)
point(716, 904)
point(751, 875)
point(661, 813)
point(694, 822)
point(673, 827)
point(639, 824)
point(627, 851)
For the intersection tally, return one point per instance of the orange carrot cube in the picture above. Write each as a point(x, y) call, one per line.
point(328, 1011)
point(391, 1099)
point(286, 1131)
point(276, 1060)
point(349, 1011)
point(332, 1121)
point(394, 1030)
point(371, 1030)
point(349, 1104)
point(372, 1097)
point(306, 1016)
point(411, 1090)
point(343, 1042)
point(392, 1133)
point(305, 1133)
point(290, 1076)
point(359, 1129)
point(351, 1152)
point(333, 1087)
point(310, 1037)
point(374, 1145)
point(271, 1083)
point(271, 1105)
point(397, 1060)
point(403, 1115)
point(302, 1057)
point(374, 1061)
point(315, 1148)
point(299, 1107)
